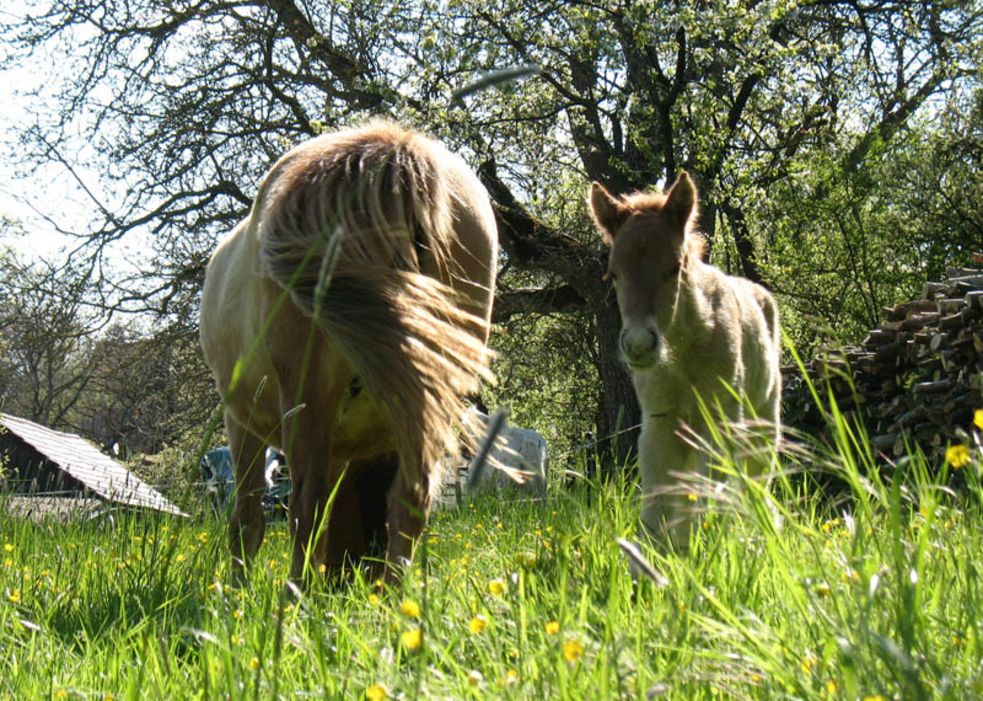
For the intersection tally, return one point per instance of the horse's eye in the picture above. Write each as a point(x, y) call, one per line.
point(672, 273)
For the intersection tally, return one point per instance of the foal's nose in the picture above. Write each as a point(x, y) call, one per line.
point(639, 344)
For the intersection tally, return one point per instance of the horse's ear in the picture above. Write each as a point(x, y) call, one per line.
point(608, 212)
point(680, 203)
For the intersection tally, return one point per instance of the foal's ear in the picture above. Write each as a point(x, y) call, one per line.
point(680, 203)
point(607, 211)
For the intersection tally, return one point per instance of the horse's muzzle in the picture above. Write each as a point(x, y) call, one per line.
point(639, 346)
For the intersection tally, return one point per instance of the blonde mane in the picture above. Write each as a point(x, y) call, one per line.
point(648, 201)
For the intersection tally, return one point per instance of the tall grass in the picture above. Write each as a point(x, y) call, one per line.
point(871, 590)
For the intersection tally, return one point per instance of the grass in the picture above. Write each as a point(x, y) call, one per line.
point(874, 594)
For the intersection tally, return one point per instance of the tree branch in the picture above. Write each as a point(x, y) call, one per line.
point(543, 300)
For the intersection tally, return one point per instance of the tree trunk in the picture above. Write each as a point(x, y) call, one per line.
point(618, 416)
point(743, 242)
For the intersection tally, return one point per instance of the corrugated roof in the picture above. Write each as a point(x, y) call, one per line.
point(83, 461)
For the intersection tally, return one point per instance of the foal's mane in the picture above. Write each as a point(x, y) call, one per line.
point(645, 202)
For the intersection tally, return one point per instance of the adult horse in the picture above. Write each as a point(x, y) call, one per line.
point(345, 319)
point(697, 342)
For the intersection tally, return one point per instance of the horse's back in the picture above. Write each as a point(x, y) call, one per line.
point(234, 308)
point(350, 181)
point(761, 344)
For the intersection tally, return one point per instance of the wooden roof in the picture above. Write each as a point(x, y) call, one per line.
point(98, 472)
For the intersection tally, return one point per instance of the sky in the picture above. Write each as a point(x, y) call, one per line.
point(40, 201)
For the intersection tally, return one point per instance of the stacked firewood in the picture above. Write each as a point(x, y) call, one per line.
point(915, 380)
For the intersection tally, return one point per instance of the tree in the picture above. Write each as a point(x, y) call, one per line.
point(204, 96)
point(46, 328)
point(146, 388)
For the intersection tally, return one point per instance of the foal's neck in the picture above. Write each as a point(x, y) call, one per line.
point(689, 314)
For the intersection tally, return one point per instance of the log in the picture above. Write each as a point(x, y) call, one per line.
point(971, 279)
point(918, 375)
point(949, 306)
point(930, 387)
point(954, 321)
point(879, 337)
point(939, 341)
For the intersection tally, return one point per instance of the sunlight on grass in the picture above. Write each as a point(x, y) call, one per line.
point(868, 588)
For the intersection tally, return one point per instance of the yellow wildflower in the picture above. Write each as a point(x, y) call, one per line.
point(412, 639)
point(373, 599)
point(978, 419)
point(8, 562)
point(60, 694)
point(957, 456)
point(410, 608)
point(478, 624)
point(511, 678)
point(14, 596)
point(809, 663)
point(572, 650)
point(377, 692)
point(8, 547)
point(850, 575)
point(497, 587)
point(254, 663)
point(692, 496)
point(526, 558)
point(552, 627)
point(823, 589)
point(874, 697)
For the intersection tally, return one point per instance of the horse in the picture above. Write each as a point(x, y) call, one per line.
point(695, 340)
point(345, 321)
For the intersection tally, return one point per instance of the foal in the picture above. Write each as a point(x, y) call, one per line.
point(690, 335)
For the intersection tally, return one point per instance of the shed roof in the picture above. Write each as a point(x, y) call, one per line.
point(83, 461)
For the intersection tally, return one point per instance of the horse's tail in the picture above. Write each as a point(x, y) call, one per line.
point(348, 229)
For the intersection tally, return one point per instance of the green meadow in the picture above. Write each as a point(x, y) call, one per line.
point(834, 583)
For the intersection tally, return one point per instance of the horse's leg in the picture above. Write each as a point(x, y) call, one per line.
point(308, 415)
point(307, 446)
point(346, 541)
point(248, 523)
point(409, 507)
point(666, 513)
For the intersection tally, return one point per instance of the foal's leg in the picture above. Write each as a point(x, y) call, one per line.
point(667, 514)
point(409, 507)
point(248, 523)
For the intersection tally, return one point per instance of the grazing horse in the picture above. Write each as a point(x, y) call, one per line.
point(345, 321)
point(691, 335)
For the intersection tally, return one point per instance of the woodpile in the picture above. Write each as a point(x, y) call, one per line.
point(915, 379)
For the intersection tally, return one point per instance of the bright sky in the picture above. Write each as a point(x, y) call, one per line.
point(40, 200)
